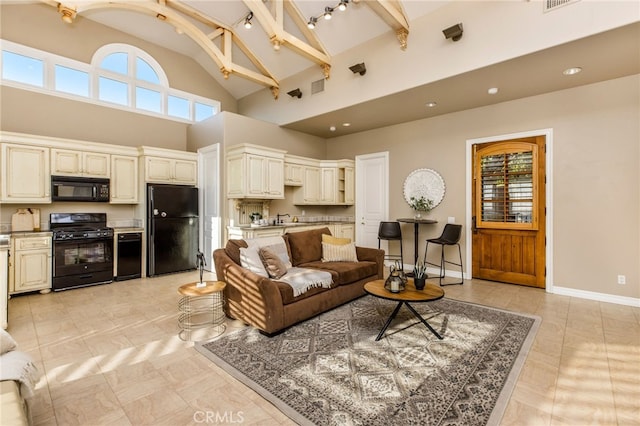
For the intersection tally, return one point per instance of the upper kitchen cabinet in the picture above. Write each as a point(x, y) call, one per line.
point(124, 179)
point(25, 174)
point(80, 163)
point(326, 182)
point(169, 166)
point(255, 172)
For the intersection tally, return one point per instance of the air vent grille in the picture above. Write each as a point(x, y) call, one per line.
point(550, 5)
point(317, 86)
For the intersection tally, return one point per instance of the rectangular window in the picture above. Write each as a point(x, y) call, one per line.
point(203, 111)
point(178, 107)
point(69, 80)
point(112, 91)
point(22, 69)
point(149, 100)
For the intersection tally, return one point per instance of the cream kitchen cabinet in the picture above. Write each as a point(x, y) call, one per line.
point(309, 193)
point(331, 183)
point(293, 174)
point(66, 162)
point(169, 170)
point(243, 233)
point(255, 172)
point(344, 230)
point(25, 174)
point(124, 179)
point(30, 263)
point(346, 185)
point(328, 185)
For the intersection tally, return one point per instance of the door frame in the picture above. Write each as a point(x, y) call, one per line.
point(548, 134)
point(361, 185)
point(210, 190)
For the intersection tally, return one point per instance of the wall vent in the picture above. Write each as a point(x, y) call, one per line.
point(550, 5)
point(317, 86)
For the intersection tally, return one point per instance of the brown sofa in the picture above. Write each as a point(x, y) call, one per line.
point(269, 305)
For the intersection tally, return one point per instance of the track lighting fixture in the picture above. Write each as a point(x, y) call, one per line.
point(247, 21)
point(359, 68)
point(327, 14)
point(295, 93)
point(454, 33)
point(312, 23)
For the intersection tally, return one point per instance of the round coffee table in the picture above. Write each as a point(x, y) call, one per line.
point(201, 306)
point(410, 294)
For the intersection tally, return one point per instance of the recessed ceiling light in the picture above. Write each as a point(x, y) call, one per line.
point(332, 128)
point(492, 90)
point(572, 71)
point(346, 124)
point(431, 104)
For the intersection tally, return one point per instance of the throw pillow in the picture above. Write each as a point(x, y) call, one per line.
point(250, 259)
point(272, 263)
point(6, 342)
point(275, 244)
point(339, 253)
point(335, 240)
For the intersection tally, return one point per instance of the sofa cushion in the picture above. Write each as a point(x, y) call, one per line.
point(272, 263)
point(345, 272)
point(275, 244)
point(306, 246)
point(250, 259)
point(232, 249)
point(330, 239)
point(339, 253)
point(286, 292)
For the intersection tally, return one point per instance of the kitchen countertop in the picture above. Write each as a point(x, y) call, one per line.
point(289, 225)
point(125, 229)
point(41, 233)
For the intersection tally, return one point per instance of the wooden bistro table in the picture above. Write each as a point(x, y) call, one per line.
point(201, 307)
point(410, 294)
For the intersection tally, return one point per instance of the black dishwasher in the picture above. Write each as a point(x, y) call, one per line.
point(129, 252)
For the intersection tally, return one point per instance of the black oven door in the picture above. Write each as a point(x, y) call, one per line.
point(80, 263)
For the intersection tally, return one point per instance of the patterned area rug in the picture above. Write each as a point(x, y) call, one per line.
point(330, 370)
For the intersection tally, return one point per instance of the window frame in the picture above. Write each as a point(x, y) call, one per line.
point(507, 148)
point(94, 72)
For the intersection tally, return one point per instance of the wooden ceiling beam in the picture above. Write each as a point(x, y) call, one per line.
point(392, 13)
point(173, 15)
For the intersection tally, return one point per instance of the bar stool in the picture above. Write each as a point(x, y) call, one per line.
point(390, 231)
point(450, 236)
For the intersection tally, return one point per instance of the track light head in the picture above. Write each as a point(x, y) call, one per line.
point(312, 22)
point(343, 5)
point(454, 33)
point(247, 21)
point(295, 93)
point(327, 12)
point(358, 68)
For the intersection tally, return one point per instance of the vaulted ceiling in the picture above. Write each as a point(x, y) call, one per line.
point(278, 44)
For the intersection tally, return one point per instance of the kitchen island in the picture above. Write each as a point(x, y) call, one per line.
point(340, 229)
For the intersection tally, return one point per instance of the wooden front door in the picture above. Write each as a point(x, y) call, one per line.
point(508, 213)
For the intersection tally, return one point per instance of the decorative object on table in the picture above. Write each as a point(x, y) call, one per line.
point(200, 264)
point(423, 190)
point(421, 205)
point(416, 379)
point(419, 275)
point(396, 280)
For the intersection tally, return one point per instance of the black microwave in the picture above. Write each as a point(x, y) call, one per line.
point(69, 188)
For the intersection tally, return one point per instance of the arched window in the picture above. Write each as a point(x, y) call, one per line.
point(120, 76)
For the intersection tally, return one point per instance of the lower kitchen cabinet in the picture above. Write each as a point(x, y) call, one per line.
point(30, 264)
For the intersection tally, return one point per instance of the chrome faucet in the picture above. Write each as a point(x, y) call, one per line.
point(278, 216)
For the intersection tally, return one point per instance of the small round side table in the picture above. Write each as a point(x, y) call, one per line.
point(201, 307)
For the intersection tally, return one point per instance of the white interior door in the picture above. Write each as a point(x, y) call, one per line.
point(372, 196)
point(211, 222)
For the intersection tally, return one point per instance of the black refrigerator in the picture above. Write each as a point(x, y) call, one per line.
point(172, 228)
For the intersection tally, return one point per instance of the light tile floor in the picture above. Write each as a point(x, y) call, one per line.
point(110, 355)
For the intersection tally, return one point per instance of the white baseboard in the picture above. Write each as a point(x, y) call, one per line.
point(600, 297)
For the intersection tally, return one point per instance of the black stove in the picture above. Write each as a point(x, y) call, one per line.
point(82, 250)
point(79, 226)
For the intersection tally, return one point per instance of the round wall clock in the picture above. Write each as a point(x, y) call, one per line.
point(425, 183)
